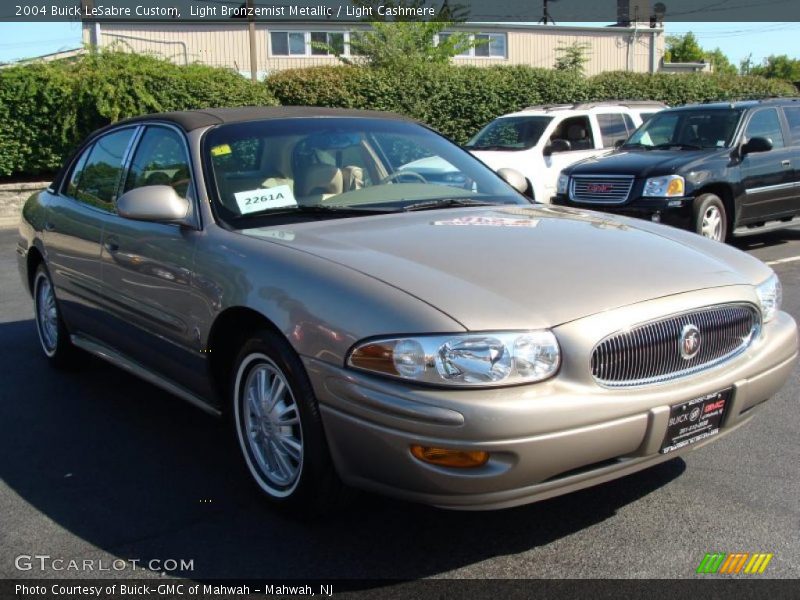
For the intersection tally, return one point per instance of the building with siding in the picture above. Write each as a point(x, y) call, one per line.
point(628, 47)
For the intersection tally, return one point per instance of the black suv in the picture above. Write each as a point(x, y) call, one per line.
point(718, 169)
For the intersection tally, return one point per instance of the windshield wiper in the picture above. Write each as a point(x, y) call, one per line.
point(445, 203)
point(317, 209)
point(680, 145)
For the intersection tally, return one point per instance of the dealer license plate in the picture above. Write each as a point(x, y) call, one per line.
point(694, 421)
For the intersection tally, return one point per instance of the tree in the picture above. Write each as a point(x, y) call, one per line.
point(778, 67)
point(683, 48)
point(721, 63)
point(405, 41)
point(571, 57)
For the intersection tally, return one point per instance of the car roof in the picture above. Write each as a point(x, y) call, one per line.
point(740, 104)
point(556, 109)
point(189, 120)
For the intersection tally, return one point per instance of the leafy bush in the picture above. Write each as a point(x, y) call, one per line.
point(459, 100)
point(46, 109)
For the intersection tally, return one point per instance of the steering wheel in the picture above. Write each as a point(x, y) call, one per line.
point(398, 174)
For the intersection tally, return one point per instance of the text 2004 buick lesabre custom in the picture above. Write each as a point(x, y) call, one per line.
point(438, 339)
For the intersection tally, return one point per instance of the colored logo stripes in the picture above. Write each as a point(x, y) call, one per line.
point(735, 563)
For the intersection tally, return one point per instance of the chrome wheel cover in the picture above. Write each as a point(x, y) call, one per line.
point(268, 424)
point(711, 225)
point(46, 314)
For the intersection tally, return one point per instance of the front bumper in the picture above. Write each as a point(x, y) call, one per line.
point(678, 212)
point(544, 439)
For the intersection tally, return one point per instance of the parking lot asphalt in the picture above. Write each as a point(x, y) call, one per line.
point(95, 464)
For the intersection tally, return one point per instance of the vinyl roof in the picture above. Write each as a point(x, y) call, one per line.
point(189, 120)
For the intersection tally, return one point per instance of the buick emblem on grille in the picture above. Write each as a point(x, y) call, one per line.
point(599, 188)
point(689, 341)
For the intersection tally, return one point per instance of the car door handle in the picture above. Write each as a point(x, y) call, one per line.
point(786, 163)
point(112, 247)
point(48, 226)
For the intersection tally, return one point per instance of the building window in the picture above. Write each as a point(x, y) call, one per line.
point(309, 43)
point(288, 43)
point(490, 45)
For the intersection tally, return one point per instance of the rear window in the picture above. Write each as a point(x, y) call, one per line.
point(793, 117)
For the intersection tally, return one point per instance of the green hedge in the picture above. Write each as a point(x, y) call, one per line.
point(48, 108)
point(460, 100)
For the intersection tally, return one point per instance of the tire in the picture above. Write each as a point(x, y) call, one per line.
point(53, 336)
point(710, 218)
point(283, 447)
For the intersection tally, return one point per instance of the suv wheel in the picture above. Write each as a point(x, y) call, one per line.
point(278, 425)
point(53, 334)
point(710, 218)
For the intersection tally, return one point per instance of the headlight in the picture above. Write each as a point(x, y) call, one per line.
point(770, 296)
point(668, 186)
point(468, 359)
point(563, 182)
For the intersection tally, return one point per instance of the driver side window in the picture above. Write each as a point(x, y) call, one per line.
point(160, 159)
point(765, 123)
point(577, 131)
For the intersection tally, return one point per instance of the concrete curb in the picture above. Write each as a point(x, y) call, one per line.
point(9, 222)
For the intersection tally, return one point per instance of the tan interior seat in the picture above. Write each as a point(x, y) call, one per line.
point(352, 178)
point(319, 181)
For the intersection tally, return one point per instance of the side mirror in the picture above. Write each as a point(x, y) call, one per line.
point(514, 178)
point(757, 144)
point(557, 146)
point(153, 203)
point(618, 143)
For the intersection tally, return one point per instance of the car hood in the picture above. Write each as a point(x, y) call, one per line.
point(640, 163)
point(520, 267)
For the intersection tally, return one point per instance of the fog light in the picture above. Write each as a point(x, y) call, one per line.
point(444, 457)
point(655, 217)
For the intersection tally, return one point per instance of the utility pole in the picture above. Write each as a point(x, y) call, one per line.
point(251, 25)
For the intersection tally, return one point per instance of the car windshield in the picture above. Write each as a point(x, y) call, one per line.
point(510, 133)
point(692, 129)
point(341, 167)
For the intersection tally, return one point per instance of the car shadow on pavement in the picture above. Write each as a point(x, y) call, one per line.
point(141, 475)
point(766, 240)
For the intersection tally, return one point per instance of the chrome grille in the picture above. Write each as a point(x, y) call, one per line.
point(600, 189)
point(651, 352)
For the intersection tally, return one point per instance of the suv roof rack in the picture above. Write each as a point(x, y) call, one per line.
point(752, 98)
point(596, 104)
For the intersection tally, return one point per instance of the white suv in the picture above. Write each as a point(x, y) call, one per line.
point(541, 140)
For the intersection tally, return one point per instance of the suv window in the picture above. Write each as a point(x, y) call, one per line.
point(793, 116)
point(95, 181)
point(612, 128)
point(577, 131)
point(765, 123)
point(160, 159)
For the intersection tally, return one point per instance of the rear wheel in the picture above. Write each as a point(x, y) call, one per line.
point(710, 218)
point(278, 426)
point(53, 335)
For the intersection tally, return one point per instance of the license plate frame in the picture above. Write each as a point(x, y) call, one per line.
point(695, 420)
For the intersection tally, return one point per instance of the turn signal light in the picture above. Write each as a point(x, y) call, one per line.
point(445, 457)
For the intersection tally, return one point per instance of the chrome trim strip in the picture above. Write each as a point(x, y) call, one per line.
point(772, 188)
point(119, 360)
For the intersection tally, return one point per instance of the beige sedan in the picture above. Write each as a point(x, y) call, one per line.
point(432, 336)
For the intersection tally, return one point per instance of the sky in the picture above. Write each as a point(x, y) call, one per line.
point(736, 40)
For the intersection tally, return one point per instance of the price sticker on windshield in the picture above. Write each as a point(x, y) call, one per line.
point(251, 201)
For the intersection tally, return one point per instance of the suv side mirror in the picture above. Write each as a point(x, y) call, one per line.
point(514, 178)
point(557, 146)
point(757, 144)
point(158, 203)
point(618, 143)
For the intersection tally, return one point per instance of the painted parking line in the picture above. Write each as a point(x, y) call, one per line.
point(780, 261)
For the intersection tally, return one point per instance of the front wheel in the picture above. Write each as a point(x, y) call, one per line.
point(278, 426)
point(710, 218)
